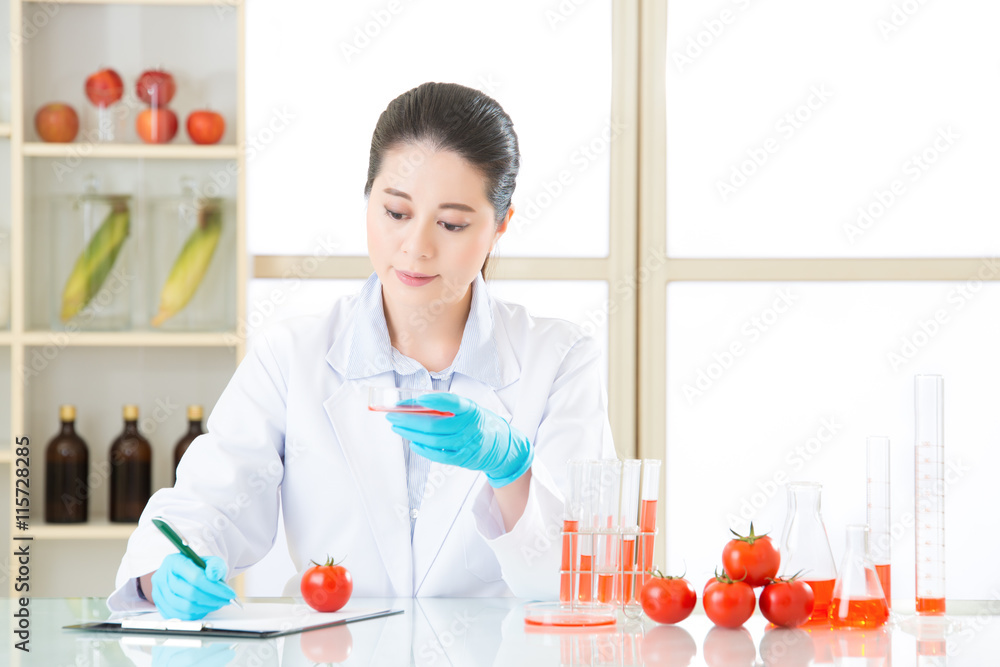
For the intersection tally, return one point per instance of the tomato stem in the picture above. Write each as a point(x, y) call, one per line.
point(749, 539)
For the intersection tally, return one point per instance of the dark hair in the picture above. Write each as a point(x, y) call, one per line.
point(454, 118)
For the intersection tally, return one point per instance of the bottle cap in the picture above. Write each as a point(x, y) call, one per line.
point(67, 413)
point(195, 413)
point(130, 413)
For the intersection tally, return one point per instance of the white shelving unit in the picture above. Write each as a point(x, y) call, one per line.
point(99, 371)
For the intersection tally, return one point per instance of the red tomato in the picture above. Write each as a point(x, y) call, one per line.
point(326, 587)
point(156, 126)
point(752, 558)
point(787, 602)
point(728, 603)
point(205, 127)
point(667, 599)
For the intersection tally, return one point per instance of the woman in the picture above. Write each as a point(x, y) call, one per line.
point(467, 505)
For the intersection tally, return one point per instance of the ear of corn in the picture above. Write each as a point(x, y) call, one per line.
point(95, 262)
point(191, 264)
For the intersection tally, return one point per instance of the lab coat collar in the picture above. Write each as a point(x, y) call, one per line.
point(362, 349)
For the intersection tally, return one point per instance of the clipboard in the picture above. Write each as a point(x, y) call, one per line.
point(261, 620)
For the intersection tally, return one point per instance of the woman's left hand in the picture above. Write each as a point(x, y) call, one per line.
point(473, 438)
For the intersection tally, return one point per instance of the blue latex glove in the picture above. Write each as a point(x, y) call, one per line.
point(183, 590)
point(473, 438)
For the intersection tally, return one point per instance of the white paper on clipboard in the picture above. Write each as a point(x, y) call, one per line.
point(254, 617)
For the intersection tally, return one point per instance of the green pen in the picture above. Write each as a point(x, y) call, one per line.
point(182, 546)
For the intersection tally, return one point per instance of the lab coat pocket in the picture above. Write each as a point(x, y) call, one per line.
point(479, 557)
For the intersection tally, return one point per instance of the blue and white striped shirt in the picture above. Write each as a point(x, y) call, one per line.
point(372, 353)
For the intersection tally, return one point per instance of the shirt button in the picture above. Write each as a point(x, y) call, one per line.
point(414, 513)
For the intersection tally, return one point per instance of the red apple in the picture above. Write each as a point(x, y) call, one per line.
point(205, 127)
point(104, 88)
point(57, 122)
point(156, 126)
point(155, 87)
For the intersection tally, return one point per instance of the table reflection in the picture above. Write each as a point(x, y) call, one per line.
point(443, 631)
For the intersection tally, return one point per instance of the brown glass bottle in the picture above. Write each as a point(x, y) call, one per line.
point(67, 464)
point(194, 414)
point(131, 470)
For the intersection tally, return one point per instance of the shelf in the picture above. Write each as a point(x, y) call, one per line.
point(5, 130)
point(129, 339)
point(232, 4)
point(5, 338)
point(5, 455)
point(149, 151)
point(92, 530)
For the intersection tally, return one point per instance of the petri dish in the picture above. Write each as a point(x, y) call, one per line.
point(393, 399)
point(569, 615)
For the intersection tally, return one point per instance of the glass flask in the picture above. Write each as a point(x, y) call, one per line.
point(191, 262)
point(805, 546)
point(92, 269)
point(858, 600)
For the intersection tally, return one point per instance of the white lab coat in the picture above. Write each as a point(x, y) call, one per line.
point(290, 425)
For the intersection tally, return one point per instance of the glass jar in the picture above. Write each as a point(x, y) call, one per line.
point(191, 263)
point(92, 286)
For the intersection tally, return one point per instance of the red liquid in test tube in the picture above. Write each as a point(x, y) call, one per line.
point(569, 578)
point(647, 514)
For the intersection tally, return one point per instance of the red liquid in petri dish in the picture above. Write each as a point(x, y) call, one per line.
point(863, 613)
point(413, 409)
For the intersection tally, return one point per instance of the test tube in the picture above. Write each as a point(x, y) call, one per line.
point(606, 538)
point(647, 514)
point(571, 524)
point(630, 525)
point(929, 493)
point(879, 512)
point(588, 526)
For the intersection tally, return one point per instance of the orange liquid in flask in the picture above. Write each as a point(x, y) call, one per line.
point(862, 613)
point(822, 594)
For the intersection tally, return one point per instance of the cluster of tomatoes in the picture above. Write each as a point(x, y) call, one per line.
point(748, 562)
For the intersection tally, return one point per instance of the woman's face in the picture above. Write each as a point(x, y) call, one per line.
point(430, 226)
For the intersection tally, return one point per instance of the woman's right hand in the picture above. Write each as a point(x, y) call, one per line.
point(183, 590)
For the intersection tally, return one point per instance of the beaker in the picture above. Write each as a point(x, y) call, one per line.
point(858, 600)
point(879, 512)
point(630, 531)
point(928, 453)
point(606, 536)
point(571, 524)
point(647, 515)
point(805, 546)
